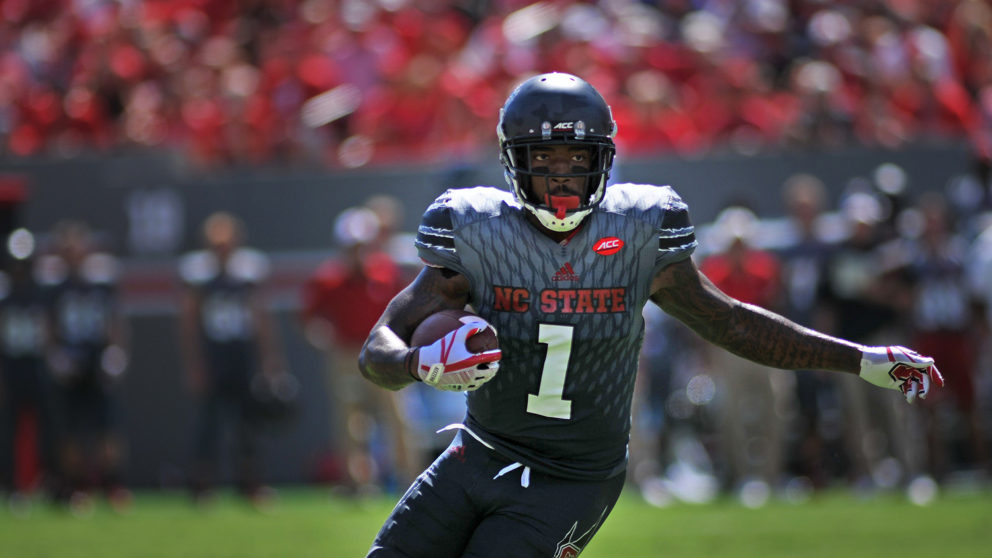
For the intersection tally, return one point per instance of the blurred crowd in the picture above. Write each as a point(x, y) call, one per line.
point(347, 83)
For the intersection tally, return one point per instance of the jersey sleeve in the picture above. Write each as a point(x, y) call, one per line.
point(676, 234)
point(436, 236)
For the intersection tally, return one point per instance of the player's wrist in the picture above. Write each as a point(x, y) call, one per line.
point(871, 355)
point(875, 366)
point(412, 362)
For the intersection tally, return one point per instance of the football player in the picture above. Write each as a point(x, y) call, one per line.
point(88, 357)
point(228, 339)
point(561, 267)
point(25, 386)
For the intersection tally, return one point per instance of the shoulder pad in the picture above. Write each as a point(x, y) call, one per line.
point(248, 265)
point(100, 268)
point(663, 209)
point(455, 208)
point(437, 227)
point(483, 201)
point(451, 211)
point(627, 198)
point(196, 268)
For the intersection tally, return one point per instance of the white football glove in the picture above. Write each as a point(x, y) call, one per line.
point(448, 365)
point(900, 368)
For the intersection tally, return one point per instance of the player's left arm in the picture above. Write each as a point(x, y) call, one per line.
point(767, 338)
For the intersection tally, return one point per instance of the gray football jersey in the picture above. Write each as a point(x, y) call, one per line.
point(568, 317)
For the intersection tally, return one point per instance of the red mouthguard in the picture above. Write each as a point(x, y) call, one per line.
point(561, 204)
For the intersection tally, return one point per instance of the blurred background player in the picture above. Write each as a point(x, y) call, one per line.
point(863, 300)
point(673, 398)
point(750, 397)
point(26, 420)
point(341, 302)
point(946, 322)
point(804, 250)
point(228, 337)
point(87, 358)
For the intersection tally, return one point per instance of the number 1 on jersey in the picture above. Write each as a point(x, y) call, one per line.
point(549, 402)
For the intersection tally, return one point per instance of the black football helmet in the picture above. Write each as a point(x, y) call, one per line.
point(556, 108)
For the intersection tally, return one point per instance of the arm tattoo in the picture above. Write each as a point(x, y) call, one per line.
point(747, 330)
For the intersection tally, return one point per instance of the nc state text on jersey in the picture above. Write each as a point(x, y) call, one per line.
point(561, 301)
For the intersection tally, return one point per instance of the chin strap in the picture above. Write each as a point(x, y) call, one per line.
point(561, 204)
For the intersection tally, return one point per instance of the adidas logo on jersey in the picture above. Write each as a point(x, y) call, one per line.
point(566, 273)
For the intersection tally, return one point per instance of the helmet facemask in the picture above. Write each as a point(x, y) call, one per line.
point(554, 212)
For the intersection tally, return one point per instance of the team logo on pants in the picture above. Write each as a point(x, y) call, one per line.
point(571, 546)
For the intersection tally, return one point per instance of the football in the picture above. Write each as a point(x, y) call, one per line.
point(440, 323)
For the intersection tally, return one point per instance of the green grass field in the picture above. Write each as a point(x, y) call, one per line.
point(309, 523)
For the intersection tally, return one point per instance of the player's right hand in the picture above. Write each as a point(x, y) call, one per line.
point(448, 365)
point(900, 368)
